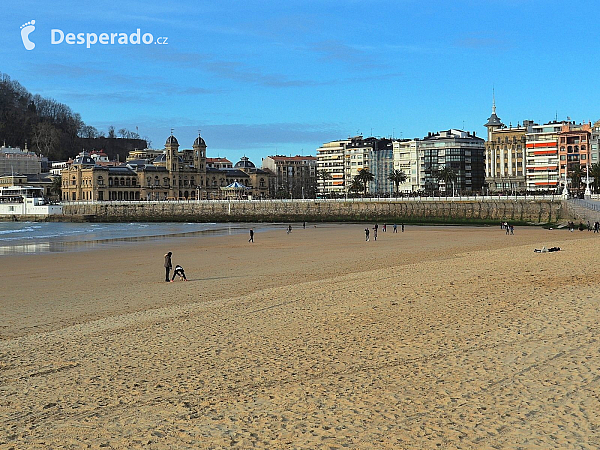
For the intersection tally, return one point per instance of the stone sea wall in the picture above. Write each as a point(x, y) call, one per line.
point(410, 211)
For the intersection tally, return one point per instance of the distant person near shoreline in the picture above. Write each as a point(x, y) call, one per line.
point(251, 235)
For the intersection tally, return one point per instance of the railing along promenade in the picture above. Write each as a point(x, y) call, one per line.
point(457, 198)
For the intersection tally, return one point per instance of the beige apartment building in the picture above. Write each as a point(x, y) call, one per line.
point(293, 176)
point(331, 160)
point(406, 159)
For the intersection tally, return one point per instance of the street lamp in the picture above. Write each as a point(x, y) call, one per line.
point(565, 192)
point(587, 193)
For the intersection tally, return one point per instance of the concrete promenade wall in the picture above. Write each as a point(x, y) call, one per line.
point(426, 211)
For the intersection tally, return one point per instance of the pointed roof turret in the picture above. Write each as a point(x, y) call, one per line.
point(494, 120)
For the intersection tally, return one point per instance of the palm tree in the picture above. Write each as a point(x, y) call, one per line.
point(364, 176)
point(397, 177)
point(323, 175)
point(576, 174)
point(356, 185)
point(447, 175)
point(595, 173)
point(56, 188)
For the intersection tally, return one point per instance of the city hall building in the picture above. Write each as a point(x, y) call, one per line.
point(172, 175)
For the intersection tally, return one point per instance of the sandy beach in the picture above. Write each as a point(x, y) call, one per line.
point(436, 338)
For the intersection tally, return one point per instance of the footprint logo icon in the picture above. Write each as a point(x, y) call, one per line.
point(26, 30)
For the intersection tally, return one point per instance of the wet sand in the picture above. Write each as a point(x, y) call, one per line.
point(439, 337)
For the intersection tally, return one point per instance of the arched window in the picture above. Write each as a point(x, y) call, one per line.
point(110, 181)
point(100, 180)
point(122, 181)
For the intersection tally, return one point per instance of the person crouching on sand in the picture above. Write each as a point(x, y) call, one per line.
point(179, 272)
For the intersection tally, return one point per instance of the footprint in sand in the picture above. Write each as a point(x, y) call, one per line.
point(26, 30)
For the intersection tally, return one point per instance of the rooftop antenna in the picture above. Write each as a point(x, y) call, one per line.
point(493, 101)
point(556, 116)
point(172, 131)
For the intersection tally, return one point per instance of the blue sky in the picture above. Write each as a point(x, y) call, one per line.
point(262, 77)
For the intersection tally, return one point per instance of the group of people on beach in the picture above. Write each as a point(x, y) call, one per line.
point(510, 229)
point(581, 227)
point(376, 229)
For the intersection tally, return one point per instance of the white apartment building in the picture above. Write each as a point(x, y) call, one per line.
point(406, 159)
point(542, 157)
point(331, 159)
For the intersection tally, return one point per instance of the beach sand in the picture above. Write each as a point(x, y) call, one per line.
point(439, 337)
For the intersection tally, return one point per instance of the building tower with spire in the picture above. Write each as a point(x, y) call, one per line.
point(199, 150)
point(505, 154)
point(172, 165)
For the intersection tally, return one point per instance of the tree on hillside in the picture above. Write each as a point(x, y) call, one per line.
point(365, 177)
point(111, 132)
point(397, 177)
point(45, 138)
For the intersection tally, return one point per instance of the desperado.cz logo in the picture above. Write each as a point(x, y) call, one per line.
point(58, 36)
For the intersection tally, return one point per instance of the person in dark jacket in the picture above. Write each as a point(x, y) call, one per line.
point(179, 272)
point(168, 266)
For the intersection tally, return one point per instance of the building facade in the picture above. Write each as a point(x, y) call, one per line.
point(574, 149)
point(294, 176)
point(542, 157)
point(15, 160)
point(331, 173)
point(344, 159)
point(172, 175)
point(406, 159)
point(459, 150)
point(505, 151)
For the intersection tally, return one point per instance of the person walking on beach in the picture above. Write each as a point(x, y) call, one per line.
point(395, 228)
point(289, 230)
point(366, 234)
point(304, 225)
point(375, 232)
point(403, 228)
point(178, 272)
point(251, 235)
point(384, 227)
point(168, 266)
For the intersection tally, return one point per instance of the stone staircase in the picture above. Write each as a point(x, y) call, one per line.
point(583, 210)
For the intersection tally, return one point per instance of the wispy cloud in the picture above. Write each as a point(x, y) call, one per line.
point(359, 57)
point(480, 41)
